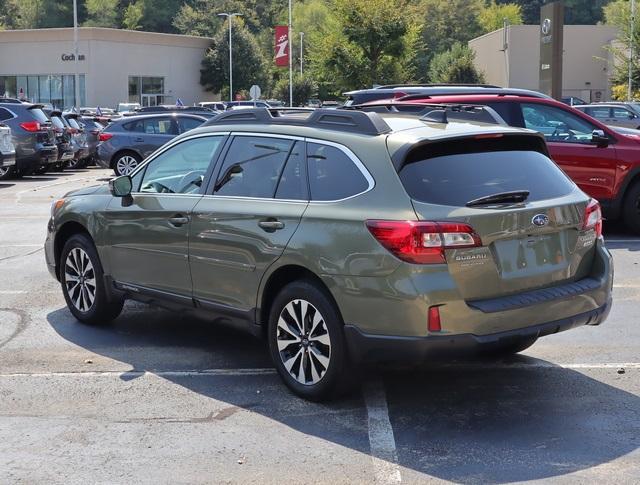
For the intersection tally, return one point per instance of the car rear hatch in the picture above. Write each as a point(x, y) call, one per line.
point(46, 134)
point(524, 218)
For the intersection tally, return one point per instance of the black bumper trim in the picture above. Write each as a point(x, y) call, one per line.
point(369, 347)
point(534, 297)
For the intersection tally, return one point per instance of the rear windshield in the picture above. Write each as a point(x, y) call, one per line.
point(57, 122)
point(73, 123)
point(39, 115)
point(458, 178)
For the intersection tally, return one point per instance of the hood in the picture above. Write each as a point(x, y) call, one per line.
point(94, 189)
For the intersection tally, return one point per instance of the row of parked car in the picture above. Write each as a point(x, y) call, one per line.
point(36, 140)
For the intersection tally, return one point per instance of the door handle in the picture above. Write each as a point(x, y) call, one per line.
point(139, 139)
point(271, 225)
point(178, 220)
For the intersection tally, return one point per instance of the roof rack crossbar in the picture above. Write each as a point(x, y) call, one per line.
point(365, 123)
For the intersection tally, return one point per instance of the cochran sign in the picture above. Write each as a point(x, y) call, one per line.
point(282, 45)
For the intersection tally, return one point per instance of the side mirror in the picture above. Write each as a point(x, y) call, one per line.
point(121, 186)
point(599, 138)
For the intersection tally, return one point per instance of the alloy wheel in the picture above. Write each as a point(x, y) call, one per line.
point(126, 164)
point(80, 279)
point(303, 342)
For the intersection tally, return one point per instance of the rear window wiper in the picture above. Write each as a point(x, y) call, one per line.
point(513, 197)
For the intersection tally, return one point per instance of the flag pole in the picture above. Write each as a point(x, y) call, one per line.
point(290, 61)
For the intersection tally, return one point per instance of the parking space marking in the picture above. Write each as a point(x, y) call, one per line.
point(134, 373)
point(381, 440)
point(623, 241)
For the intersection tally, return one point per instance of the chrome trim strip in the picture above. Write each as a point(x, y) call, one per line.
point(267, 135)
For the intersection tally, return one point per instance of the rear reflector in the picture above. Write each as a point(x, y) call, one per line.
point(31, 126)
point(593, 217)
point(105, 136)
point(421, 242)
point(434, 319)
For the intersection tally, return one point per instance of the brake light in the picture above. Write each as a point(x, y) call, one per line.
point(420, 242)
point(105, 136)
point(31, 126)
point(593, 217)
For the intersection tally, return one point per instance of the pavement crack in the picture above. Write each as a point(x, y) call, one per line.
point(21, 255)
point(23, 320)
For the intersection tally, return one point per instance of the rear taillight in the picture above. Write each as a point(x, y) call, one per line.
point(434, 325)
point(31, 126)
point(593, 217)
point(423, 242)
point(105, 136)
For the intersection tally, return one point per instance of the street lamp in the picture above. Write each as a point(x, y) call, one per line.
point(229, 18)
point(301, 39)
point(632, 26)
point(76, 76)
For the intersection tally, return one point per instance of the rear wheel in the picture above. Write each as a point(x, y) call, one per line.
point(306, 341)
point(631, 208)
point(75, 164)
point(82, 281)
point(125, 163)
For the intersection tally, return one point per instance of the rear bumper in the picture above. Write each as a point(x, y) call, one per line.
point(34, 159)
point(367, 347)
point(7, 159)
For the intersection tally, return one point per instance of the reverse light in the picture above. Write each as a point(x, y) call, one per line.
point(31, 126)
point(593, 217)
point(105, 136)
point(421, 242)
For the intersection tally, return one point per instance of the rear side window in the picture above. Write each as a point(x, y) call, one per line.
point(599, 112)
point(5, 114)
point(332, 174)
point(190, 123)
point(457, 178)
point(252, 166)
point(73, 123)
point(57, 122)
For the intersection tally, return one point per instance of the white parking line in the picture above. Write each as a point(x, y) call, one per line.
point(135, 373)
point(381, 440)
point(21, 245)
point(622, 241)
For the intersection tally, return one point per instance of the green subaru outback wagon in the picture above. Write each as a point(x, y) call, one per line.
point(341, 237)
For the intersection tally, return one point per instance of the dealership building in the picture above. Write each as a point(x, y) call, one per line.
point(114, 66)
point(511, 58)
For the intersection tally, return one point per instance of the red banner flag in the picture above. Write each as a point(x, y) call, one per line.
point(282, 45)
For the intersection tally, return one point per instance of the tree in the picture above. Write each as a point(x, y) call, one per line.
point(102, 13)
point(618, 14)
point(303, 88)
point(455, 66)
point(249, 65)
point(446, 22)
point(493, 15)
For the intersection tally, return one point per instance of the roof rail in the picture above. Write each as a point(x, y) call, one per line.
point(435, 85)
point(10, 100)
point(479, 92)
point(365, 123)
point(438, 112)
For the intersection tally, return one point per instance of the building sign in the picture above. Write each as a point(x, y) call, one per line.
point(282, 46)
point(71, 57)
point(551, 38)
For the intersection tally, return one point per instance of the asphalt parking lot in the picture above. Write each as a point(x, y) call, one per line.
point(160, 398)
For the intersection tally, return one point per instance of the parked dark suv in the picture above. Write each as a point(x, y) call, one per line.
point(33, 137)
point(127, 141)
point(342, 236)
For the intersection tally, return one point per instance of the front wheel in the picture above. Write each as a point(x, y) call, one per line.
point(306, 341)
point(82, 281)
point(631, 208)
point(7, 172)
point(126, 163)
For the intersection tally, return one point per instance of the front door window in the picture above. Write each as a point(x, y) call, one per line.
point(556, 124)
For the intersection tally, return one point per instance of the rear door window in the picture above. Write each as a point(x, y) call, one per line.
point(154, 126)
point(333, 175)
point(252, 167)
point(187, 124)
point(293, 181)
point(453, 179)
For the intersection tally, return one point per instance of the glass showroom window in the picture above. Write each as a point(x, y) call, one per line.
point(57, 89)
point(141, 87)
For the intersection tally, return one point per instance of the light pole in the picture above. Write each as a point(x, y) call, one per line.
point(229, 19)
point(633, 14)
point(301, 39)
point(76, 77)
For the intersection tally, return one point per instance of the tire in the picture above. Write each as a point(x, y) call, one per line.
point(125, 162)
point(631, 208)
point(87, 299)
point(41, 170)
point(313, 366)
point(7, 173)
point(74, 164)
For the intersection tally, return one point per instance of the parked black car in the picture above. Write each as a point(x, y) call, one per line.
point(128, 141)
point(33, 136)
point(63, 142)
point(92, 127)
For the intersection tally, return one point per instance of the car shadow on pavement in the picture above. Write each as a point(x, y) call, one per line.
point(6, 186)
point(477, 421)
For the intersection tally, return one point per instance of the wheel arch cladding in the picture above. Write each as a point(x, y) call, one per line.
point(278, 280)
point(63, 234)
